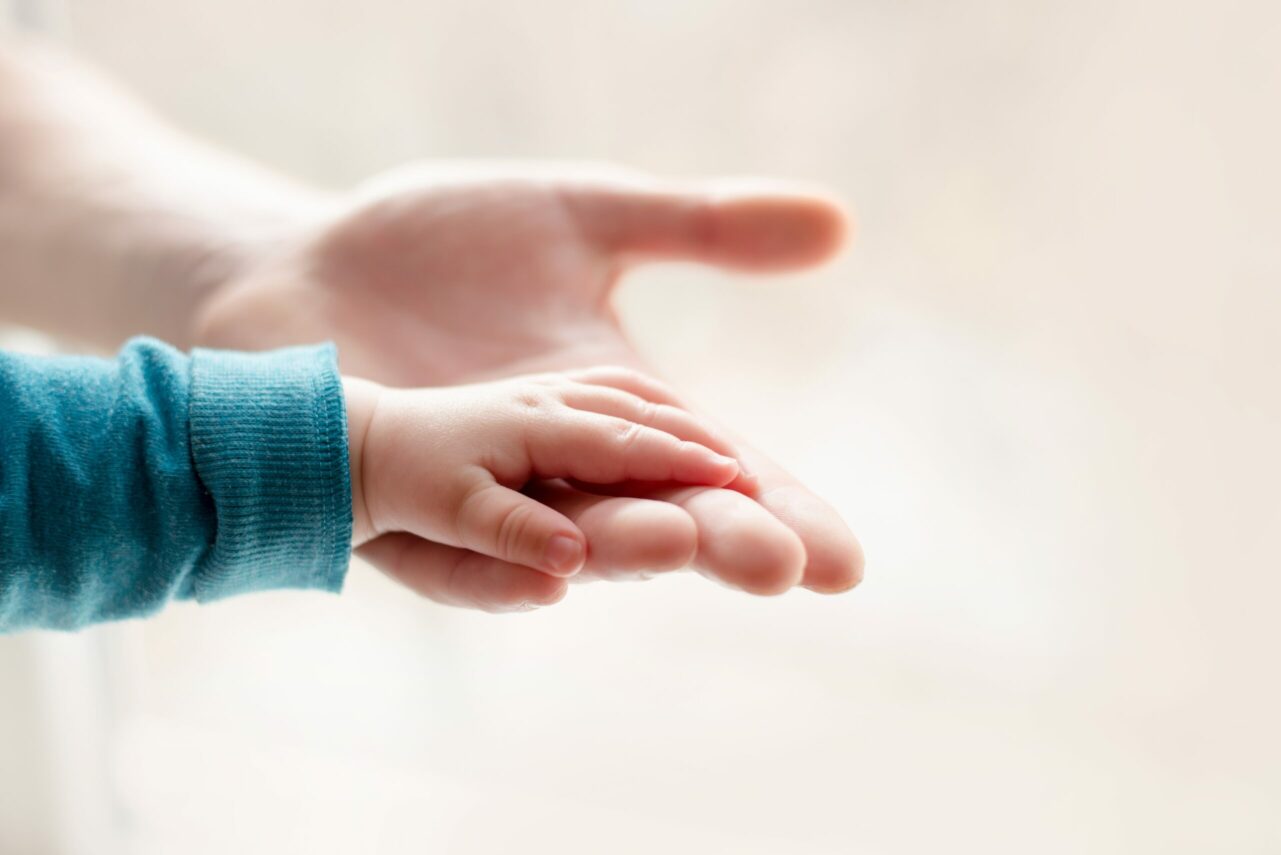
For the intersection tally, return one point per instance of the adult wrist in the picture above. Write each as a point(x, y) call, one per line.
point(201, 270)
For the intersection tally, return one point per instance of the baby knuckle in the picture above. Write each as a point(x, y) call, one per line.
point(648, 411)
point(532, 398)
point(513, 527)
point(689, 448)
point(469, 510)
point(629, 435)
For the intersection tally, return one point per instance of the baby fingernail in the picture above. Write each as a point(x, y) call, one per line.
point(722, 460)
point(564, 554)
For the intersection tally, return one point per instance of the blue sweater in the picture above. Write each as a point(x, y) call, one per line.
point(127, 483)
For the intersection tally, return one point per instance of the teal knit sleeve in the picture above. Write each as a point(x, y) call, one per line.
point(127, 483)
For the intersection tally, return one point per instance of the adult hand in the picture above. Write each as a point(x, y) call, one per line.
point(439, 275)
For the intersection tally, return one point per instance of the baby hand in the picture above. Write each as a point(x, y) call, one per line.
point(447, 463)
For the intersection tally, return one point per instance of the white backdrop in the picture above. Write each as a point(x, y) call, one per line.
point(1042, 389)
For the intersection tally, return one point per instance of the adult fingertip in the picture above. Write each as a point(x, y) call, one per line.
point(774, 566)
point(632, 538)
point(835, 570)
point(778, 231)
point(509, 588)
point(834, 557)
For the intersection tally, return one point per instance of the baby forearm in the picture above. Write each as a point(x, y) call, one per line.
point(111, 222)
point(126, 483)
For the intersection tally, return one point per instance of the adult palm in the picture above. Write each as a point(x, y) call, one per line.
point(437, 275)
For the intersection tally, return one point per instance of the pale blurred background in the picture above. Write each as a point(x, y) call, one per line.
point(1042, 388)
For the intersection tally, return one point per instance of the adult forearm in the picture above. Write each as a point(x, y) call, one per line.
point(111, 222)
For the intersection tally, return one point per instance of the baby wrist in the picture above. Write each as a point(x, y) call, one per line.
point(362, 397)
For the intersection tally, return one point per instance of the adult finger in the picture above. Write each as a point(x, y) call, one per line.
point(748, 225)
point(460, 577)
point(630, 539)
point(740, 543)
point(834, 558)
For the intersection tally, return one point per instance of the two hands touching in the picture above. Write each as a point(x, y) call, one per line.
point(447, 464)
point(452, 275)
point(434, 275)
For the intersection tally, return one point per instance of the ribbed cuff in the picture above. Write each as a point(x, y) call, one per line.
point(269, 442)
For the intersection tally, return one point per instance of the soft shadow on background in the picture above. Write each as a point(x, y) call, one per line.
point(1042, 389)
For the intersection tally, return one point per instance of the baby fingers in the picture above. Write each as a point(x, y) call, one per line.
point(632, 395)
point(603, 449)
point(680, 423)
point(502, 523)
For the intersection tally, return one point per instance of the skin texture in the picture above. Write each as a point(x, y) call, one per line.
point(450, 274)
point(446, 464)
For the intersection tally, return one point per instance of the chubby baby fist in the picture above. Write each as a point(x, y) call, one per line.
point(447, 464)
